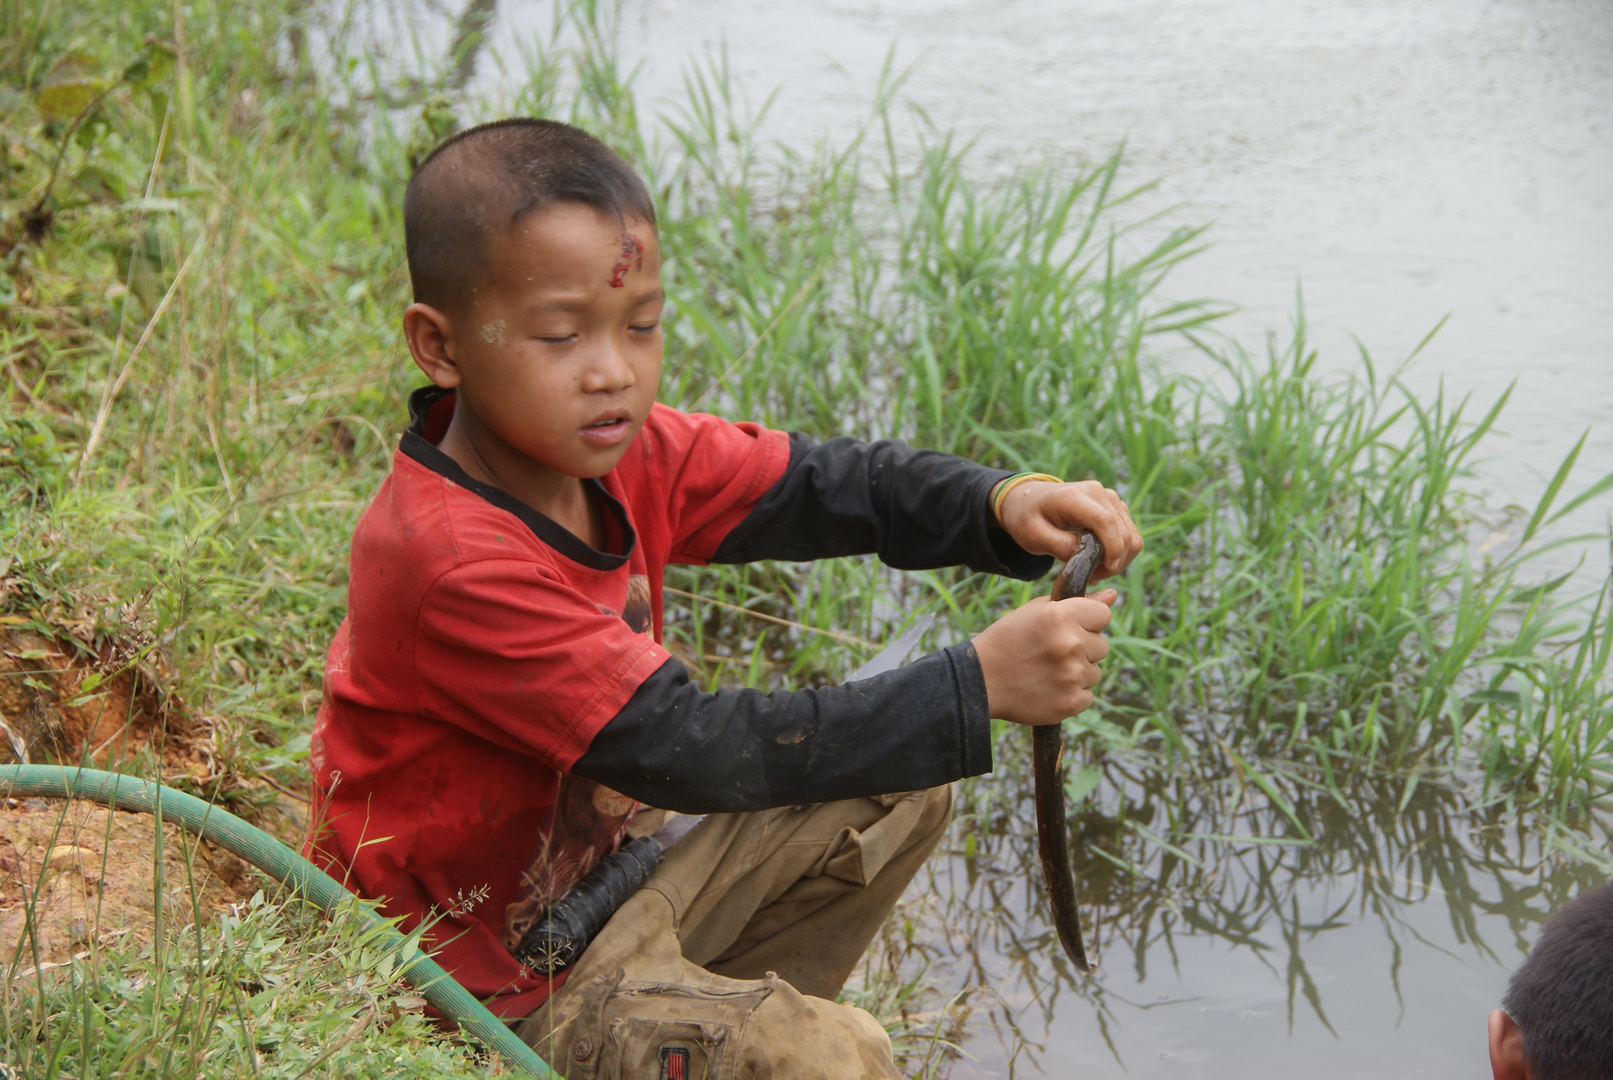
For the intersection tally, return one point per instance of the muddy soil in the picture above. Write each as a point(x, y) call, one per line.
point(82, 878)
point(62, 703)
point(75, 877)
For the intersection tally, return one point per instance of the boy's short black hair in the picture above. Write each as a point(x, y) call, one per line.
point(486, 178)
point(1562, 996)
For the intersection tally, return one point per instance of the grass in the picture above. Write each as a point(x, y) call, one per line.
point(270, 989)
point(202, 270)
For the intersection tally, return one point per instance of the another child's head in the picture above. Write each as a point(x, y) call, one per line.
point(1556, 1021)
point(536, 271)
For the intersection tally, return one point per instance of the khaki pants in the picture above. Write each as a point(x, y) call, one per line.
point(720, 967)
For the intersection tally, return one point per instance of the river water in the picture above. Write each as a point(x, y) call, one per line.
point(1379, 950)
point(1401, 160)
point(1398, 160)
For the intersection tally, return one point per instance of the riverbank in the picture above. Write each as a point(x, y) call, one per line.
point(202, 275)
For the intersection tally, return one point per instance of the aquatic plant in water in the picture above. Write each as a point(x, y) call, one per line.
point(201, 270)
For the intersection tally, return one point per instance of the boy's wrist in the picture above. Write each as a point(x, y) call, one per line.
point(999, 494)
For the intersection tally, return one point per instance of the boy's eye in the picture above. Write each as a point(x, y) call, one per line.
point(556, 339)
point(645, 328)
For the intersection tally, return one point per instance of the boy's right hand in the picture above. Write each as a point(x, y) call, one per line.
point(1040, 661)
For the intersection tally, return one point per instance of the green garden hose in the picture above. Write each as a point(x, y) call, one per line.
point(280, 862)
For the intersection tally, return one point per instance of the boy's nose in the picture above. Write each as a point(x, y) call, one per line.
point(610, 371)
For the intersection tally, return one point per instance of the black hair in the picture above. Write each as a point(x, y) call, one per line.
point(1562, 996)
point(483, 180)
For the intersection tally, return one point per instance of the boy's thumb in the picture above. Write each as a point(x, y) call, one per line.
point(1047, 538)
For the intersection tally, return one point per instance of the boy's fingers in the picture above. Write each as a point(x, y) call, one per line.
point(1090, 614)
point(1135, 536)
point(1117, 558)
point(1090, 505)
point(1046, 516)
point(1123, 541)
point(1046, 535)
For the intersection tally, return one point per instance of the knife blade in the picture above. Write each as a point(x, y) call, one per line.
point(892, 656)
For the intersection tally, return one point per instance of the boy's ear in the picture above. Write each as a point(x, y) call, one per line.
point(1506, 1048)
point(429, 333)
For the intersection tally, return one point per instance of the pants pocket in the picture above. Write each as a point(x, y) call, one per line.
point(643, 1049)
point(661, 1031)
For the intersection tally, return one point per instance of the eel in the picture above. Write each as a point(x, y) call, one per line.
point(1047, 757)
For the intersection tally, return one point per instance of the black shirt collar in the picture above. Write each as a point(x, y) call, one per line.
point(430, 409)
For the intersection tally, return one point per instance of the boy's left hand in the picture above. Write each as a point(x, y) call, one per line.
point(1041, 517)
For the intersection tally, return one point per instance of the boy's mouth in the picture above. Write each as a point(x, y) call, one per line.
point(608, 429)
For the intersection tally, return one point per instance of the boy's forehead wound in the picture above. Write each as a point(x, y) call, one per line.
point(632, 254)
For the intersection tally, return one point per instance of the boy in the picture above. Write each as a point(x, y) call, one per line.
point(498, 706)
point(1556, 1022)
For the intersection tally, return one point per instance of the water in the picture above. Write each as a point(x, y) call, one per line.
point(1378, 950)
point(1402, 160)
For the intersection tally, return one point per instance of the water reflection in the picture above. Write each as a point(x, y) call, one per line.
point(1226, 945)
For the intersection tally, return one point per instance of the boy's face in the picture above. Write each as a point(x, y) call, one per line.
point(557, 356)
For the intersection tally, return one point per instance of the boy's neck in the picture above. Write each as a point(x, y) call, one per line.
point(563, 499)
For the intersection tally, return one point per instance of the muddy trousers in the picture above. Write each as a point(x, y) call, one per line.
point(722, 966)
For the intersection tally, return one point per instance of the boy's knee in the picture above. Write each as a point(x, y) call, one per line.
point(721, 1029)
point(934, 813)
point(795, 1035)
point(938, 806)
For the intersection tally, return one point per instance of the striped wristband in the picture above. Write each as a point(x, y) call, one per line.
point(1010, 484)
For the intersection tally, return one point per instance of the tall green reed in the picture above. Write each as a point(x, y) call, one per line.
point(1306, 621)
point(1308, 586)
point(1306, 589)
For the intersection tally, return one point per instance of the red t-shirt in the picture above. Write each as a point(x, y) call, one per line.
point(484, 647)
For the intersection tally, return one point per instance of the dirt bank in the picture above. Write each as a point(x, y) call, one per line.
point(82, 877)
point(60, 702)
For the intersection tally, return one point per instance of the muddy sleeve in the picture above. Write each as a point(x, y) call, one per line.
point(678, 748)
point(915, 509)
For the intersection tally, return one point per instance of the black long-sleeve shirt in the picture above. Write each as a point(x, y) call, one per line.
point(676, 747)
